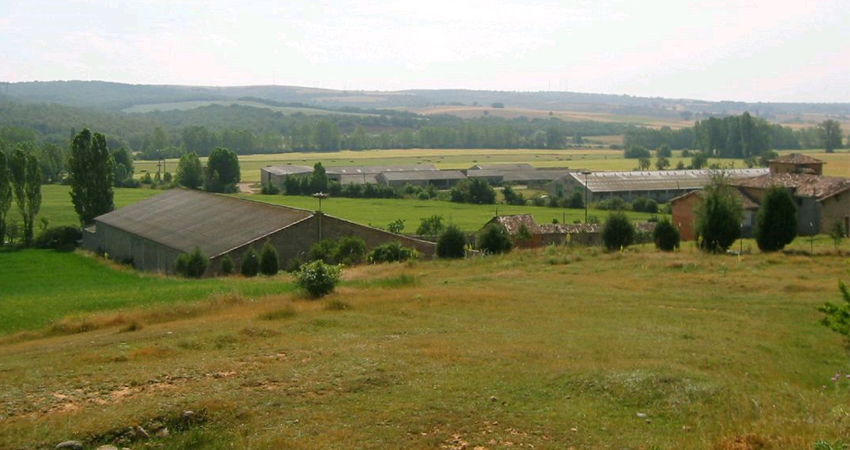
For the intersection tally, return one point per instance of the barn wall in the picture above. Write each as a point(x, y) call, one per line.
point(835, 209)
point(122, 246)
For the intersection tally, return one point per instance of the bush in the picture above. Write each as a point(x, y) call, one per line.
point(636, 151)
point(324, 250)
point(430, 226)
point(513, 197)
point(575, 201)
point(837, 232)
point(317, 278)
point(392, 252)
point(645, 204)
point(613, 204)
point(350, 250)
point(396, 226)
point(494, 239)
point(776, 220)
point(618, 231)
point(269, 263)
point(63, 238)
point(718, 216)
point(451, 243)
point(192, 265)
point(250, 263)
point(269, 189)
point(227, 266)
point(666, 236)
point(838, 316)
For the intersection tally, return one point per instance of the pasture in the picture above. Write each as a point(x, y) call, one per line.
point(838, 164)
point(551, 349)
point(56, 205)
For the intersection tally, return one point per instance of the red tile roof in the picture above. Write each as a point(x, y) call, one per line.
point(796, 158)
point(803, 185)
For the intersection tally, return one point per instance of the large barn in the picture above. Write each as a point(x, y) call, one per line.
point(152, 233)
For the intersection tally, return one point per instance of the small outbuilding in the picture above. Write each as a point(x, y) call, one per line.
point(275, 175)
point(152, 233)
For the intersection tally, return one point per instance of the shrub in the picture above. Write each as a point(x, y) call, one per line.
point(718, 216)
point(538, 200)
point(837, 233)
point(838, 316)
point(575, 201)
point(227, 266)
point(250, 263)
point(776, 220)
point(350, 250)
point(613, 204)
point(62, 238)
point(645, 204)
point(636, 151)
point(452, 243)
point(269, 189)
point(396, 226)
point(666, 236)
point(618, 231)
point(324, 251)
point(269, 263)
point(192, 265)
point(494, 239)
point(392, 252)
point(317, 278)
point(512, 197)
point(430, 226)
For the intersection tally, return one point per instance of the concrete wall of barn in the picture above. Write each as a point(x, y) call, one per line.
point(294, 242)
point(122, 246)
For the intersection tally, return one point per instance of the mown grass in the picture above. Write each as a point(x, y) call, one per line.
point(380, 212)
point(611, 351)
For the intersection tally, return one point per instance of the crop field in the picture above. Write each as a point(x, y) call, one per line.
point(184, 106)
point(550, 349)
point(838, 164)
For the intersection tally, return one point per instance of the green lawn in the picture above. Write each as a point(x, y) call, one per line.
point(380, 212)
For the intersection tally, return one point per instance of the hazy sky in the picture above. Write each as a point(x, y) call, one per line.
point(753, 50)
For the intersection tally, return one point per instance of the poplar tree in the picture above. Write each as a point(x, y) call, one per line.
point(5, 194)
point(91, 174)
point(26, 187)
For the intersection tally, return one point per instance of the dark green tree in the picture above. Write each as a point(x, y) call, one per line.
point(495, 239)
point(718, 216)
point(699, 160)
point(666, 235)
point(52, 162)
point(776, 220)
point(250, 263)
point(319, 179)
point(26, 187)
point(227, 266)
point(451, 243)
point(481, 193)
point(327, 136)
point(90, 170)
point(830, 134)
point(192, 265)
point(430, 227)
point(618, 232)
point(5, 195)
point(269, 262)
point(222, 172)
point(190, 173)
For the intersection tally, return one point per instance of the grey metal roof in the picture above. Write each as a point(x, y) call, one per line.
point(519, 175)
point(353, 170)
point(423, 175)
point(502, 167)
point(184, 219)
point(656, 180)
point(288, 170)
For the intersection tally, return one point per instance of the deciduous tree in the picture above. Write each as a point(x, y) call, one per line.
point(90, 170)
point(190, 173)
point(5, 194)
point(26, 187)
point(830, 134)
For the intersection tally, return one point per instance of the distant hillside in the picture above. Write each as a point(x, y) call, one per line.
point(119, 97)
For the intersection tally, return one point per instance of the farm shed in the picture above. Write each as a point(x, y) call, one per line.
point(660, 185)
point(369, 174)
point(151, 234)
point(528, 177)
point(821, 201)
point(796, 163)
point(275, 175)
point(503, 167)
point(439, 178)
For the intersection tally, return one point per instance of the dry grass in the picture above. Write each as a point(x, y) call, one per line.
point(638, 350)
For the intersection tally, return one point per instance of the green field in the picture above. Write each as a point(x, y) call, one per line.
point(380, 212)
point(838, 164)
point(549, 349)
point(56, 203)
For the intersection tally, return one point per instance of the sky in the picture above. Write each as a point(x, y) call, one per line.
point(743, 50)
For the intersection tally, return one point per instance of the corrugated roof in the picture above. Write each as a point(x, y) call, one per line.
point(656, 180)
point(184, 219)
point(423, 175)
point(353, 170)
point(803, 185)
point(502, 167)
point(796, 158)
point(288, 170)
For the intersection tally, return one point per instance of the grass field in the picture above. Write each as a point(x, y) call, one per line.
point(56, 203)
point(380, 212)
point(838, 164)
point(548, 349)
